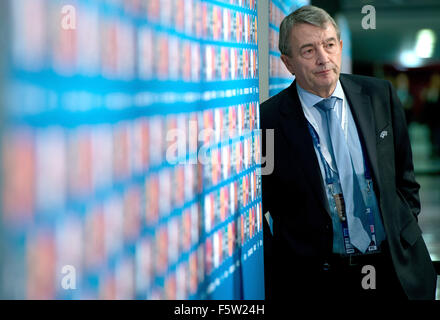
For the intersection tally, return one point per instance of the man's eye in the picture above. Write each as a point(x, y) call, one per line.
point(308, 53)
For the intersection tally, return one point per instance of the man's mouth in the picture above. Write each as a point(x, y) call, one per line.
point(323, 73)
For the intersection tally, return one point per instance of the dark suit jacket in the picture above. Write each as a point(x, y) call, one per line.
point(295, 197)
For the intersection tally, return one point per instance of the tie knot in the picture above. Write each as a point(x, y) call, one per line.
point(327, 104)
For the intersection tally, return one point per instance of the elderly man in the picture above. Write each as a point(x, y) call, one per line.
point(343, 198)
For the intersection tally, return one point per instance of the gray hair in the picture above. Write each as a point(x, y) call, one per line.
point(307, 14)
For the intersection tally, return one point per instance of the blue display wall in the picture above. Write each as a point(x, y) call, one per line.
point(279, 77)
point(130, 150)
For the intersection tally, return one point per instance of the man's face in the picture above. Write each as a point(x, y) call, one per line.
point(315, 58)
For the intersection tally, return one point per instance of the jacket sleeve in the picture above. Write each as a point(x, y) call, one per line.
point(405, 180)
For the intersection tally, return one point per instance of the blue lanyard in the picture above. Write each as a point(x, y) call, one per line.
point(330, 180)
point(328, 177)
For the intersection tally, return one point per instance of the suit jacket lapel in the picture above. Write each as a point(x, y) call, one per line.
point(294, 127)
point(363, 115)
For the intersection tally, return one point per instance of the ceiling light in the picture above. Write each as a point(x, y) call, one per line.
point(409, 59)
point(425, 43)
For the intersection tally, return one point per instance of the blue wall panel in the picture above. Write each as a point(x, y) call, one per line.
point(279, 77)
point(131, 150)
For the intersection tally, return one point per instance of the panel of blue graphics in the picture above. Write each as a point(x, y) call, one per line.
point(279, 77)
point(131, 150)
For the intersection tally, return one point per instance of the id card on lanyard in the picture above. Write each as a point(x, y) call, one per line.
point(336, 192)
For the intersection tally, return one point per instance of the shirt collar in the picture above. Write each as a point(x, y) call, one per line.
point(310, 99)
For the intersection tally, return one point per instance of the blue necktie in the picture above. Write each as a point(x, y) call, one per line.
point(358, 236)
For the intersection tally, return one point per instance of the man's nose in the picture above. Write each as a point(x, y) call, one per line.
point(321, 56)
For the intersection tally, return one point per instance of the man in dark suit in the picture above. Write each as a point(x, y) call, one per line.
point(342, 196)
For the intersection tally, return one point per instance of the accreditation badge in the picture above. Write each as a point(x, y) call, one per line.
point(340, 205)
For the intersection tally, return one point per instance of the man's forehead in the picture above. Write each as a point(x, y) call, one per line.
point(308, 33)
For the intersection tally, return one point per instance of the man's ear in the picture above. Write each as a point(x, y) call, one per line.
point(288, 64)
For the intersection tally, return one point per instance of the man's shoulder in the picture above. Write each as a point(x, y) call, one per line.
point(366, 82)
point(269, 109)
point(277, 98)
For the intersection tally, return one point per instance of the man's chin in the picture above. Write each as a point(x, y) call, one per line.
point(326, 83)
point(326, 78)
